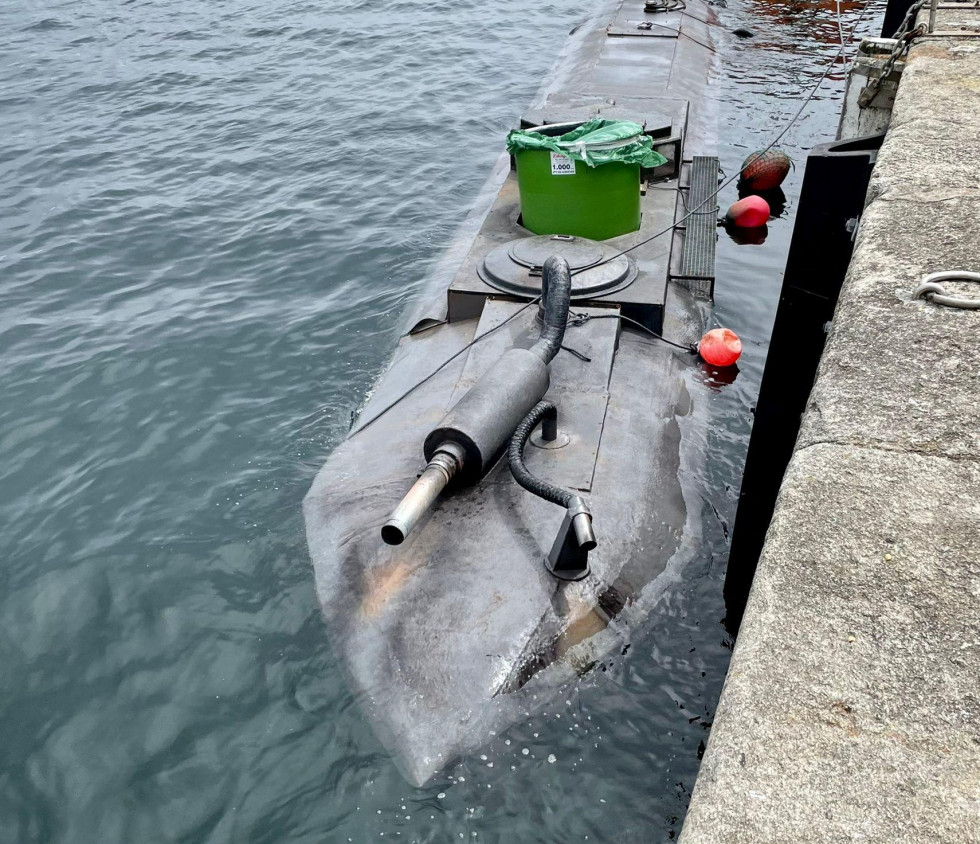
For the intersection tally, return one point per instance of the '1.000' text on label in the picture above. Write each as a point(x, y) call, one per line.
point(562, 165)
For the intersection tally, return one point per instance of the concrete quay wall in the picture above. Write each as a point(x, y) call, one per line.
point(851, 711)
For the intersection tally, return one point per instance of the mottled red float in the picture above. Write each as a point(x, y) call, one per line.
point(720, 347)
point(765, 169)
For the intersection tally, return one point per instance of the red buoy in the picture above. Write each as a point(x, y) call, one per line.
point(765, 169)
point(749, 213)
point(720, 347)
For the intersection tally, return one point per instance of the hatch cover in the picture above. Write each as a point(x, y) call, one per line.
point(597, 268)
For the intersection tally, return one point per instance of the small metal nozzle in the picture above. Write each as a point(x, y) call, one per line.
point(445, 463)
point(584, 535)
point(569, 556)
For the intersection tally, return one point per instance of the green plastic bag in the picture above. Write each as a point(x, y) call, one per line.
point(599, 141)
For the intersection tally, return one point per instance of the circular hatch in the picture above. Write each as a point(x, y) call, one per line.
point(597, 269)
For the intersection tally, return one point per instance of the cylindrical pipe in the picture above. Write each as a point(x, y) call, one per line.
point(445, 463)
point(482, 421)
point(584, 535)
point(549, 428)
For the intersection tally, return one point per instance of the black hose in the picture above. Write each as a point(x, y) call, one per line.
point(515, 455)
point(556, 288)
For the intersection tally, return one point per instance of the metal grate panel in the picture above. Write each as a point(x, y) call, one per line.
point(700, 238)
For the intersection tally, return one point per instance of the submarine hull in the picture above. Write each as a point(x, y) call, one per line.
point(460, 630)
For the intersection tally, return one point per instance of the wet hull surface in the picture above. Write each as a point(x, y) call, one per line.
point(442, 633)
point(460, 632)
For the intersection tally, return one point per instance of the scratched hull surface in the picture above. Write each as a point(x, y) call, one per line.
point(460, 631)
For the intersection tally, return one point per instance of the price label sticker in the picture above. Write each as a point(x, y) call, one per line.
point(562, 165)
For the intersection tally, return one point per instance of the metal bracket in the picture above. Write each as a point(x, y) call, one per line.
point(567, 559)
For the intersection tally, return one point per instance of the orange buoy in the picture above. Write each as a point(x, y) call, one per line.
point(748, 213)
point(765, 169)
point(720, 347)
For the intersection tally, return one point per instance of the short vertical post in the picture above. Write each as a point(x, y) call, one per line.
point(549, 428)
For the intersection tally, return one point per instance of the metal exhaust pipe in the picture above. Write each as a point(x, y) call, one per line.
point(443, 466)
point(472, 434)
point(584, 535)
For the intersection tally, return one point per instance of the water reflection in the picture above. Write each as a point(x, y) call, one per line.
point(747, 237)
point(717, 377)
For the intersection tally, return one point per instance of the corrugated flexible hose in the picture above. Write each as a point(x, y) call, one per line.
point(556, 293)
point(556, 495)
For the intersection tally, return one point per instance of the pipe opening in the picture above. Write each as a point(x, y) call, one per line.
point(392, 534)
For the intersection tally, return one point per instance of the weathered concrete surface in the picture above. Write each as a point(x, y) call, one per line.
point(852, 707)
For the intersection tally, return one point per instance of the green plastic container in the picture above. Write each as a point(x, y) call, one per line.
point(560, 195)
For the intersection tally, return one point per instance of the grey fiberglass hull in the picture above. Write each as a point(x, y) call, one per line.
point(461, 631)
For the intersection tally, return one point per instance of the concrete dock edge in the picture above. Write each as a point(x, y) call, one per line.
point(851, 711)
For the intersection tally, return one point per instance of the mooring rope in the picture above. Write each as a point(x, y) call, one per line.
point(931, 291)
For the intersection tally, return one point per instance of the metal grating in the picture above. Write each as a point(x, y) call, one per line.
point(701, 236)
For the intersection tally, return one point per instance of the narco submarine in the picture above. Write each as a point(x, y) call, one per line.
point(515, 493)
